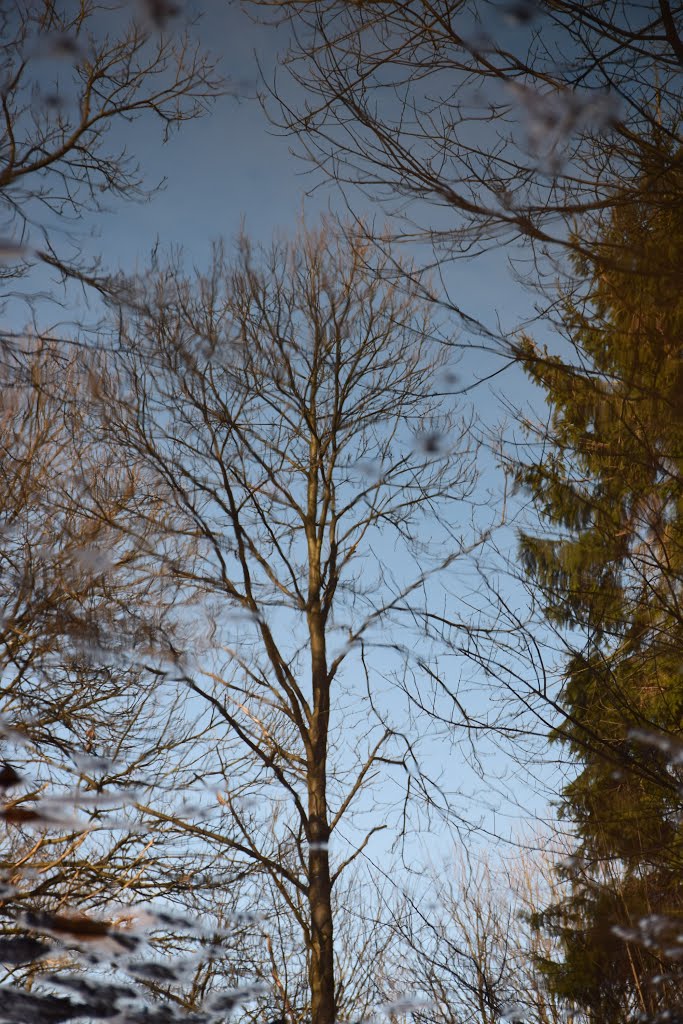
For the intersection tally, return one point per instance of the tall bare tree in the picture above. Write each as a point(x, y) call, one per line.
point(289, 408)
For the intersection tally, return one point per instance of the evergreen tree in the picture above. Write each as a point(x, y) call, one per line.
point(609, 568)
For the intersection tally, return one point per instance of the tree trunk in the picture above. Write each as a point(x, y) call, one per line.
point(321, 969)
point(321, 964)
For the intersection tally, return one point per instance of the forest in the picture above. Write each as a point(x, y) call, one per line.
point(341, 512)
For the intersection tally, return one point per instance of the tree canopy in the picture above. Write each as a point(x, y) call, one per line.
point(610, 485)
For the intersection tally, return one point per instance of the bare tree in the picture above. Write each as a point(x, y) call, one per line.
point(482, 123)
point(466, 949)
point(77, 701)
point(88, 724)
point(69, 74)
point(288, 407)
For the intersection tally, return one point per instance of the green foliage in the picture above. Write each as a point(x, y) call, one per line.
point(610, 571)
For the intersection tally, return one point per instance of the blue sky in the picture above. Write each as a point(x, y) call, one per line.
point(231, 168)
